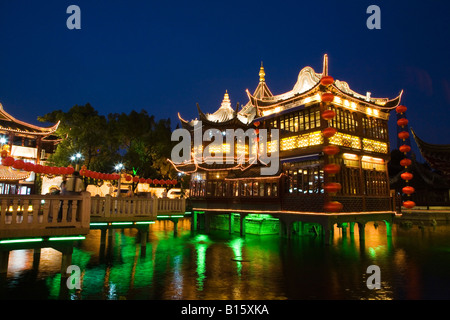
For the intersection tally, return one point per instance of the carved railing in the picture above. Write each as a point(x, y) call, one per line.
point(118, 209)
point(166, 205)
point(44, 215)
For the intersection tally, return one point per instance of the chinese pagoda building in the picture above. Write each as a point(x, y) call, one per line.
point(360, 133)
point(27, 142)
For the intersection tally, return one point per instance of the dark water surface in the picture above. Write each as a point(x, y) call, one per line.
point(414, 264)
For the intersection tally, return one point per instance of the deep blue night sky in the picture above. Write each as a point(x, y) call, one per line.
point(167, 56)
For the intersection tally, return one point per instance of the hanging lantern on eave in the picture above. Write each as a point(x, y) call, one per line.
point(333, 206)
point(409, 204)
point(329, 132)
point(408, 190)
point(142, 180)
point(331, 150)
point(331, 168)
point(327, 97)
point(332, 187)
point(328, 114)
point(406, 176)
point(403, 135)
point(402, 122)
point(326, 80)
point(405, 148)
point(401, 109)
point(405, 162)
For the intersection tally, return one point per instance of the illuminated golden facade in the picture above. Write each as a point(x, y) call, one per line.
point(362, 138)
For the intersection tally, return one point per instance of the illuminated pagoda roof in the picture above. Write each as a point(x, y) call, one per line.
point(9, 123)
point(307, 89)
point(437, 155)
point(10, 174)
point(224, 116)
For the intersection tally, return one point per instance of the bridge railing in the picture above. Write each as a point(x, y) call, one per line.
point(116, 209)
point(171, 205)
point(44, 215)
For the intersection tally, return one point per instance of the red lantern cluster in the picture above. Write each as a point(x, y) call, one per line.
point(406, 176)
point(37, 168)
point(331, 168)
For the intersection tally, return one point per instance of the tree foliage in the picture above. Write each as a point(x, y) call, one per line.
point(135, 139)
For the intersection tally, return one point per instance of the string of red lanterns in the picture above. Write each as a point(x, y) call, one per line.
point(405, 162)
point(330, 168)
point(19, 164)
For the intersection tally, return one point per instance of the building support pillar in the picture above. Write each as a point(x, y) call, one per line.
point(175, 226)
point(4, 258)
point(352, 228)
point(242, 224)
point(361, 229)
point(327, 233)
point(194, 221)
point(66, 259)
point(231, 223)
point(36, 258)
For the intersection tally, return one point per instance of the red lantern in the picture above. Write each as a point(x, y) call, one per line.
point(326, 80)
point(149, 181)
point(406, 176)
point(128, 178)
point(162, 182)
point(331, 168)
point(174, 181)
point(135, 179)
point(327, 97)
point(4, 153)
point(409, 204)
point(29, 166)
point(403, 135)
point(8, 161)
point(405, 162)
point(331, 150)
point(401, 109)
point(168, 182)
point(155, 181)
point(70, 170)
point(18, 164)
point(405, 148)
point(332, 187)
point(47, 169)
point(38, 168)
point(408, 190)
point(329, 132)
point(333, 206)
point(142, 180)
point(402, 122)
point(257, 123)
point(328, 114)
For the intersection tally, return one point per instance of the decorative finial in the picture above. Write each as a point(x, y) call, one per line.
point(325, 65)
point(262, 74)
point(226, 101)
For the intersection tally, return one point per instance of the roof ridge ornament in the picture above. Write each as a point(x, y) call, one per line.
point(262, 73)
point(325, 65)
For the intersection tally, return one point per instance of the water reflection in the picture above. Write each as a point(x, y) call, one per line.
point(414, 265)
